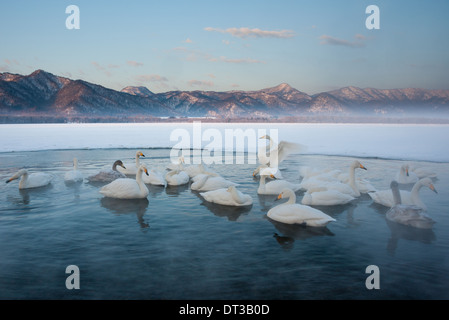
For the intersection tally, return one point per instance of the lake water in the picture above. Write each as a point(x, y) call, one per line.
point(174, 245)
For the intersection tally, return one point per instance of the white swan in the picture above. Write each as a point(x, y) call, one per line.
point(335, 180)
point(108, 175)
point(177, 178)
point(74, 175)
point(276, 186)
point(33, 180)
point(131, 168)
point(227, 196)
point(404, 176)
point(325, 197)
point(176, 165)
point(273, 154)
point(155, 178)
point(206, 182)
point(385, 197)
point(127, 188)
point(294, 213)
point(409, 215)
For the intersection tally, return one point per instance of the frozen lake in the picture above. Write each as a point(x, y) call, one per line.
point(174, 245)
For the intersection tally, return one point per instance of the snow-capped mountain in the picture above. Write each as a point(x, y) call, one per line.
point(42, 93)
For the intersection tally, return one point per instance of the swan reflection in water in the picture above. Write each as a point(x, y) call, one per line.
point(400, 231)
point(231, 212)
point(126, 206)
point(288, 233)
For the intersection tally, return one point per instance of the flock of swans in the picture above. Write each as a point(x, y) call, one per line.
point(320, 187)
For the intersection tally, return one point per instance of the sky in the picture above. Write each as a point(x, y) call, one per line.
point(314, 46)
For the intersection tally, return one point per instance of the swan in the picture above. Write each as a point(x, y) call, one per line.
point(405, 176)
point(325, 197)
point(74, 175)
point(176, 165)
point(155, 178)
point(422, 172)
point(264, 169)
point(335, 180)
point(227, 196)
point(31, 180)
point(385, 197)
point(132, 168)
point(108, 175)
point(276, 186)
point(409, 215)
point(205, 182)
point(127, 188)
point(177, 178)
point(294, 213)
point(276, 153)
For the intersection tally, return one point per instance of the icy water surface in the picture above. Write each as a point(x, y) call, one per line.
point(174, 245)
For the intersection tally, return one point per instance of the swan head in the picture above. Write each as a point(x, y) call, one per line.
point(357, 164)
point(144, 169)
point(265, 137)
point(428, 183)
point(140, 154)
point(286, 193)
point(394, 185)
point(19, 173)
point(119, 163)
point(181, 159)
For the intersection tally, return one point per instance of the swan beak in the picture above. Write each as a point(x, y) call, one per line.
point(432, 187)
point(264, 137)
point(146, 171)
point(272, 177)
point(362, 167)
point(123, 166)
point(141, 154)
point(254, 173)
point(9, 180)
point(279, 196)
point(406, 172)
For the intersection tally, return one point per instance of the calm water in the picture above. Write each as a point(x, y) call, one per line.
point(176, 246)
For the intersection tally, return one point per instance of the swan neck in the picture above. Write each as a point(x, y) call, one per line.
point(291, 198)
point(23, 180)
point(396, 196)
point(114, 167)
point(75, 164)
point(352, 180)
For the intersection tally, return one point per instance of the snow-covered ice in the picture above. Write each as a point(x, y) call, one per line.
point(390, 141)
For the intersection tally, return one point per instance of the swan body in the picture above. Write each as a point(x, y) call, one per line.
point(108, 175)
point(127, 188)
point(31, 180)
point(131, 168)
point(405, 176)
point(74, 175)
point(177, 178)
point(227, 196)
point(409, 215)
point(325, 197)
point(294, 213)
point(205, 182)
point(385, 197)
point(155, 178)
point(422, 172)
point(276, 186)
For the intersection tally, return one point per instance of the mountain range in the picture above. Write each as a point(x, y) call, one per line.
point(42, 95)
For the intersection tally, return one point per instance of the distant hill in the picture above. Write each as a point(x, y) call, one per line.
point(42, 95)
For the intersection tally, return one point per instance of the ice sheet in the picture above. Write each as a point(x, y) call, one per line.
point(390, 141)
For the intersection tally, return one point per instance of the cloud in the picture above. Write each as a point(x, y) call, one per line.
point(357, 43)
point(151, 78)
point(101, 68)
point(188, 40)
point(211, 75)
point(253, 33)
point(199, 83)
point(134, 63)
